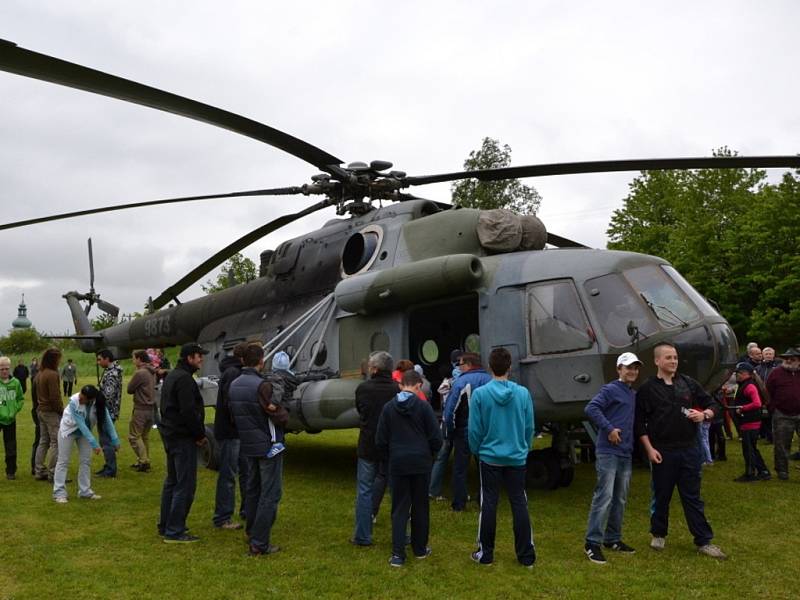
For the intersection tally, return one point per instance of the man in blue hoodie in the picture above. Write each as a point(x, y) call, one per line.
point(500, 432)
point(611, 411)
point(409, 436)
point(456, 417)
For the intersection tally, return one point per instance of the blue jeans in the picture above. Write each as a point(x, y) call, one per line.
point(439, 466)
point(264, 489)
point(610, 496)
point(179, 486)
point(702, 440)
point(109, 453)
point(365, 478)
point(230, 466)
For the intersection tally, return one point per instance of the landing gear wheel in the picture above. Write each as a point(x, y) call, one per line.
point(544, 470)
point(567, 475)
point(208, 453)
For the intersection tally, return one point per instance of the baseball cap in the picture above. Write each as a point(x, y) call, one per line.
point(627, 359)
point(744, 366)
point(455, 355)
point(188, 349)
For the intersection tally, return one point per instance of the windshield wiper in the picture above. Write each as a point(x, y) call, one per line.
point(656, 307)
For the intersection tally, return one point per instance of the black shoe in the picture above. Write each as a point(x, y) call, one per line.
point(764, 476)
point(256, 551)
point(594, 553)
point(783, 476)
point(745, 478)
point(102, 471)
point(397, 561)
point(142, 467)
point(620, 547)
point(182, 539)
point(425, 554)
point(361, 544)
point(107, 475)
point(11, 476)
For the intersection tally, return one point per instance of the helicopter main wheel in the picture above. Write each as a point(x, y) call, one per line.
point(567, 475)
point(208, 454)
point(543, 469)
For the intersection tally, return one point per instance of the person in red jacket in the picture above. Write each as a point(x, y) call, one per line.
point(748, 408)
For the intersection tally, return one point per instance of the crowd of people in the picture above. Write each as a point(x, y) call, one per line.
point(401, 443)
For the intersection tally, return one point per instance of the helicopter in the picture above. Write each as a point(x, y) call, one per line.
point(414, 277)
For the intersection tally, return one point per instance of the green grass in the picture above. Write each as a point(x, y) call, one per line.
point(109, 548)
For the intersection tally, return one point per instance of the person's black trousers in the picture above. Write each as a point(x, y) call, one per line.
point(10, 444)
point(461, 456)
point(679, 468)
point(716, 441)
point(753, 462)
point(410, 497)
point(513, 479)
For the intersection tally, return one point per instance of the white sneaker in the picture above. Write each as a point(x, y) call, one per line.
point(712, 551)
point(658, 543)
point(61, 500)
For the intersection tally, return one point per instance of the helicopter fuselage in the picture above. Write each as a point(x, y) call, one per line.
point(415, 281)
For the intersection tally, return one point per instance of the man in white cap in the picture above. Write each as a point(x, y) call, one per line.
point(612, 411)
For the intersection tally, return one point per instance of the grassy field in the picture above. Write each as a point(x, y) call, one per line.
point(110, 548)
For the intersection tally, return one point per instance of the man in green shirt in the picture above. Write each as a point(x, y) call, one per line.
point(11, 398)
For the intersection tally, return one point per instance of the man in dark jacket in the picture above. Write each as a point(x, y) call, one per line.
point(231, 464)
point(783, 386)
point(371, 395)
point(666, 423)
point(456, 418)
point(260, 423)
point(183, 431)
point(409, 436)
point(21, 373)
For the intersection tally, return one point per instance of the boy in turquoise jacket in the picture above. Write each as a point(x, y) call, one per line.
point(500, 429)
point(11, 398)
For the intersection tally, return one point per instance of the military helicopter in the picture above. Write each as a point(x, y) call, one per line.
point(414, 277)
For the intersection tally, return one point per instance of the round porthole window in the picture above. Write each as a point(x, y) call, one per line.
point(472, 343)
point(429, 352)
point(322, 355)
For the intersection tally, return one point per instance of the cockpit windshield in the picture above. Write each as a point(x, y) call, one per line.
point(637, 303)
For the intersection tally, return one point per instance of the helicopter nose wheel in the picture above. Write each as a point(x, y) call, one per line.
point(547, 470)
point(208, 453)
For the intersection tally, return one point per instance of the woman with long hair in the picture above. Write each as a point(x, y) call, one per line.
point(49, 409)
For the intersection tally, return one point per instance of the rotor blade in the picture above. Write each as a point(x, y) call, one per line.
point(91, 267)
point(562, 242)
point(607, 166)
point(46, 68)
point(108, 308)
point(287, 191)
point(220, 257)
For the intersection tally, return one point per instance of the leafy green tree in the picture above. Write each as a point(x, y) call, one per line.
point(507, 193)
point(237, 269)
point(729, 233)
point(103, 321)
point(21, 341)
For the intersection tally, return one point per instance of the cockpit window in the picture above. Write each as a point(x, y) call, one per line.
point(556, 321)
point(693, 294)
point(670, 307)
point(621, 314)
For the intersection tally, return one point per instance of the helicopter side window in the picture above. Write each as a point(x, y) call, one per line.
point(616, 307)
point(556, 320)
point(660, 294)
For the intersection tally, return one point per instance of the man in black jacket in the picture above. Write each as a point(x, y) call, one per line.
point(408, 436)
point(183, 431)
point(666, 422)
point(230, 464)
point(371, 395)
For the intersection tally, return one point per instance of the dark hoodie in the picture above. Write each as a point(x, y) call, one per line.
point(408, 434)
point(230, 368)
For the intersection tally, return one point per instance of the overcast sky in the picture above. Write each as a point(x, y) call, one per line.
point(416, 83)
